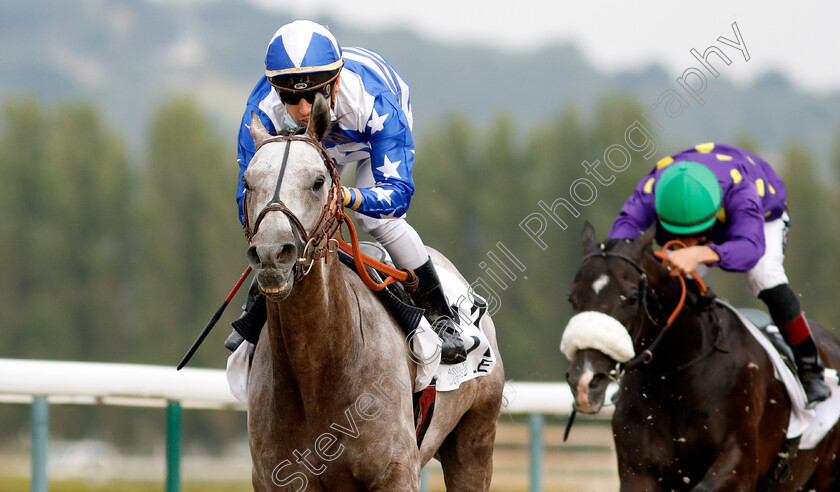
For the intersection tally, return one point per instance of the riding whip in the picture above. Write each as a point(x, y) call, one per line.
point(213, 320)
point(569, 424)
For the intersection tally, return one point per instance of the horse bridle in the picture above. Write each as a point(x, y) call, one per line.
point(646, 357)
point(318, 243)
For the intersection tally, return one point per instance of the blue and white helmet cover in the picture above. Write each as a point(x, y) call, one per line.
point(302, 47)
point(373, 106)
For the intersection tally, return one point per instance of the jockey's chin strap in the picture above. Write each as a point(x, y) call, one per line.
point(321, 241)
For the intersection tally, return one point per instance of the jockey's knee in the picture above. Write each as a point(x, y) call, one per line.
point(782, 302)
point(381, 229)
point(396, 235)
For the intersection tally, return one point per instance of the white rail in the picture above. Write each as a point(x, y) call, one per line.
point(98, 383)
point(43, 382)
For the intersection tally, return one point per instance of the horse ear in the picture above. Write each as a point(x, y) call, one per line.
point(645, 240)
point(587, 238)
point(258, 131)
point(319, 118)
point(657, 276)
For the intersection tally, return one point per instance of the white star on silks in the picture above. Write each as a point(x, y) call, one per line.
point(376, 122)
point(387, 216)
point(383, 194)
point(389, 168)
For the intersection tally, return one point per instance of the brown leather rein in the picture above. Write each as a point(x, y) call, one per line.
point(320, 241)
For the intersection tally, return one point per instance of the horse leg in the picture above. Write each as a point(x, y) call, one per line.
point(731, 471)
point(638, 483)
point(398, 476)
point(466, 455)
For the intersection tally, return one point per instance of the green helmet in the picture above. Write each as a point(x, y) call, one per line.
point(688, 198)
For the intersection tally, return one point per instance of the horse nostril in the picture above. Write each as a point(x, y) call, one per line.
point(287, 254)
point(253, 257)
point(598, 380)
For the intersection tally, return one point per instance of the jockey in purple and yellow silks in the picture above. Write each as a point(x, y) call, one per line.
point(372, 118)
point(728, 206)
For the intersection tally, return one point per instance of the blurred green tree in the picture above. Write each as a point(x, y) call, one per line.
point(191, 248)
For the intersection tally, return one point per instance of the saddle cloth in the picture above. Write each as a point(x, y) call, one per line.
point(811, 424)
point(470, 308)
point(425, 346)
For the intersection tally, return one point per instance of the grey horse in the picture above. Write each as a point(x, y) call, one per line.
point(330, 388)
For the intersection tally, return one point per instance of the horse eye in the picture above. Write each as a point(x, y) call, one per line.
point(245, 183)
point(319, 183)
point(629, 298)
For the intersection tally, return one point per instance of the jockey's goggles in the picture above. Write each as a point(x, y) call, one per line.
point(294, 86)
point(294, 97)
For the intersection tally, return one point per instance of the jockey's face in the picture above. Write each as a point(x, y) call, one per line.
point(693, 241)
point(698, 238)
point(300, 111)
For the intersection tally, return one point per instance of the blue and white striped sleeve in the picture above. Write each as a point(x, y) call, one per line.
point(392, 160)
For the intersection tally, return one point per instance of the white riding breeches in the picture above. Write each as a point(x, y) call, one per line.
point(770, 270)
point(395, 234)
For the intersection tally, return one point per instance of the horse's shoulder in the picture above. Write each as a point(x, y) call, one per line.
point(732, 324)
point(353, 283)
point(828, 342)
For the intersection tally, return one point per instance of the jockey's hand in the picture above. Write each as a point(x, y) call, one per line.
point(685, 261)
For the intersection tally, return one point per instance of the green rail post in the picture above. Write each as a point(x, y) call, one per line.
point(173, 446)
point(40, 438)
point(536, 423)
point(424, 483)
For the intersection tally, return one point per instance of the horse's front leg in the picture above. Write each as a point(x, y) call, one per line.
point(634, 482)
point(732, 471)
point(398, 476)
point(637, 458)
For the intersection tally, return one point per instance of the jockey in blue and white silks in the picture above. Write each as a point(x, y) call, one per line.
point(372, 127)
point(373, 115)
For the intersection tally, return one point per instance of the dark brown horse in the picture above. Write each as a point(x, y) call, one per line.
point(330, 389)
point(703, 411)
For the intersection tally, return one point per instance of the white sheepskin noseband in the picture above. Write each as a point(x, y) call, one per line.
point(599, 331)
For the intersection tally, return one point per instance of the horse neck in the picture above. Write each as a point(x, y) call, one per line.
point(685, 340)
point(312, 332)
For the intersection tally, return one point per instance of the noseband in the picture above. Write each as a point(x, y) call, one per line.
point(319, 241)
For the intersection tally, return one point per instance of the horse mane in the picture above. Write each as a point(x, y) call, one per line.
point(699, 301)
point(334, 137)
point(290, 132)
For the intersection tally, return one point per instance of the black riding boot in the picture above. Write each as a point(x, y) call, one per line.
point(429, 296)
point(234, 340)
point(251, 321)
point(786, 312)
point(810, 370)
